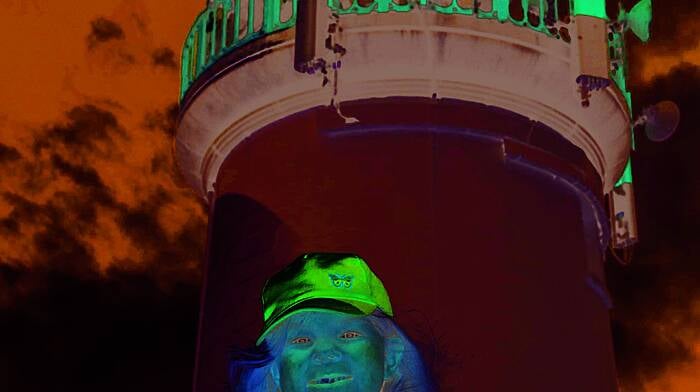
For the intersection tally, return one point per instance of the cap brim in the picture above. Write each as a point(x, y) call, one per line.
point(321, 305)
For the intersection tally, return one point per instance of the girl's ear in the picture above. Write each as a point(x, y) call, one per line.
point(393, 355)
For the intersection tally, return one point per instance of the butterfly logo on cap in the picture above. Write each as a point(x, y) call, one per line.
point(341, 281)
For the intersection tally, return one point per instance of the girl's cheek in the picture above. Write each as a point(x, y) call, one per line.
point(296, 356)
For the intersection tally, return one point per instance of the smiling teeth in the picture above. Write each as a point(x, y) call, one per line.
point(330, 380)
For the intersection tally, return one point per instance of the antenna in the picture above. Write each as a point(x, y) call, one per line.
point(660, 120)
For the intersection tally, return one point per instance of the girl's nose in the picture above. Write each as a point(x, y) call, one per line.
point(325, 355)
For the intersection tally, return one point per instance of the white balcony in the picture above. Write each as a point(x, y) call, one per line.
point(418, 53)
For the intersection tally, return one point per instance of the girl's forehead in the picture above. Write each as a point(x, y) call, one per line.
point(325, 319)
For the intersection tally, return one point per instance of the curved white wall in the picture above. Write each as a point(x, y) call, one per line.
point(409, 54)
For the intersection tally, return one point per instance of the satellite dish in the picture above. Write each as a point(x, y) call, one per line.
point(638, 19)
point(660, 121)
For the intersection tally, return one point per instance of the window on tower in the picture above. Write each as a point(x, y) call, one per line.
point(208, 37)
point(230, 28)
point(243, 19)
point(258, 12)
point(219, 31)
point(286, 11)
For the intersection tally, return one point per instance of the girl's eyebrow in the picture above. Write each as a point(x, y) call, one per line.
point(302, 331)
point(352, 324)
point(300, 325)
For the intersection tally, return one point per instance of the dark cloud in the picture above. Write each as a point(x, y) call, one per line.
point(96, 192)
point(24, 209)
point(8, 154)
point(60, 247)
point(103, 30)
point(59, 223)
point(164, 57)
point(131, 328)
point(163, 120)
point(668, 171)
point(142, 227)
point(141, 224)
point(63, 223)
point(160, 163)
point(86, 125)
point(121, 332)
point(85, 176)
point(673, 26)
point(654, 296)
point(8, 226)
point(130, 325)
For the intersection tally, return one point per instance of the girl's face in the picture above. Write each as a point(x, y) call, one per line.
point(330, 351)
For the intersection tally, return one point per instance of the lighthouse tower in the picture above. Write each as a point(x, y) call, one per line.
point(474, 153)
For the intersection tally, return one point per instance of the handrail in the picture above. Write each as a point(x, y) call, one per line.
point(226, 25)
point(229, 24)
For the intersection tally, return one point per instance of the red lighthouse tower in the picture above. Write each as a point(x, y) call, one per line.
point(471, 151)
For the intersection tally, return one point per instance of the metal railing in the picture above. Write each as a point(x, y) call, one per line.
point(226, 25)
point(229, 24)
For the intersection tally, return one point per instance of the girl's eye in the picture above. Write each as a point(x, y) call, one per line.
point(302, 340)
point(350, 335)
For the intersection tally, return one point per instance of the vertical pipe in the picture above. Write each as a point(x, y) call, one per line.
point(305, 42)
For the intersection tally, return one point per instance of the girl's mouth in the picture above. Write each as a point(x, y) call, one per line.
point(330, 379)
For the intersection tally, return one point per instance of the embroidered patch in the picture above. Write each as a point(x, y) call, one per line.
point(341, 281)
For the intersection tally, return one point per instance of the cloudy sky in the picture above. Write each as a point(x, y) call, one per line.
point(101, 242)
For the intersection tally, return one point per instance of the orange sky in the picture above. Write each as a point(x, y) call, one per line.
point(49, 70)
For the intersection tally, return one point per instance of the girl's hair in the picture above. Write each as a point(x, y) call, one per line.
point(257, 369)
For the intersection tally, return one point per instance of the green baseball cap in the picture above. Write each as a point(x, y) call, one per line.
point(339, 282)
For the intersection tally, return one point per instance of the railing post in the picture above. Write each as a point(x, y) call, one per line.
point(382, 5)
point(501, 9)
point(251, 17)
point(236, 21)
point(271, 14)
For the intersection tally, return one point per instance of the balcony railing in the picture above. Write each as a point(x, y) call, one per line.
point(229, 24)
